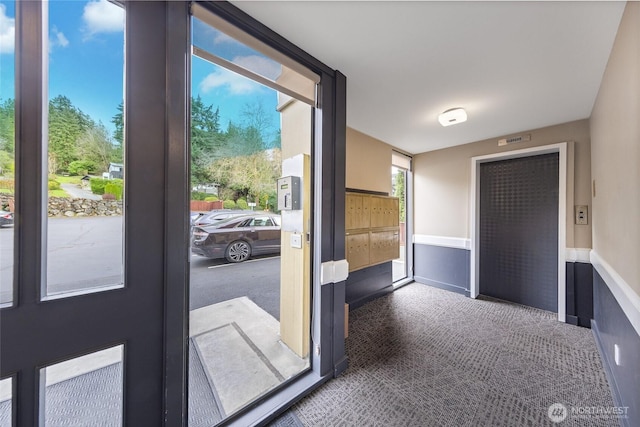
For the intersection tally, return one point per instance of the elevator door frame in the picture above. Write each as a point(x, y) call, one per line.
point(561, 149)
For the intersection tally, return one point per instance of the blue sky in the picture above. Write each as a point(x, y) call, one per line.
point(224, 88)
point(86, 44)
point(7, 28)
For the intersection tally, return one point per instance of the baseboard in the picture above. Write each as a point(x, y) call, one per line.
point(340, 367)
point(370, 297)
point(440, 285)
point(572, 320)
point(608, 371)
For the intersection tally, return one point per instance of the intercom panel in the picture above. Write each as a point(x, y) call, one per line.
point(289, 193)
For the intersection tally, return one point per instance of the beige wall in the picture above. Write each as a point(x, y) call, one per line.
point(368, 163)
point(295, 263)
point(295, 125)
point(615, 134)
point(442, 179)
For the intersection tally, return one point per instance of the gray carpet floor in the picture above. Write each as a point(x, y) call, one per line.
point(426, 357)
point(86, 399)
point(95, 399)
point(418, 357)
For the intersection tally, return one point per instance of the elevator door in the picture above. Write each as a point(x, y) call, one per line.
point(519, 230)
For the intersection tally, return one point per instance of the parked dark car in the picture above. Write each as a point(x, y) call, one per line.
point(195, 215)
point(216, 215)
point(6, 218)
point(238, 238)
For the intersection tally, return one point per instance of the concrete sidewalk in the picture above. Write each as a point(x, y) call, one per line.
point(240, 348)
point(79, 193)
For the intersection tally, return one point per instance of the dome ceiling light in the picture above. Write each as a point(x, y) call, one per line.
point(452, 116)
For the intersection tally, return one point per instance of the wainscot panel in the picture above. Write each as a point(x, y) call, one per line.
point(367, 284)
point(579, 293)
point(611, 327)
point(442, 267)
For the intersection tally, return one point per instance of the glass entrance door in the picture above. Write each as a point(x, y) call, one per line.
point(401, 188)
point(399, 179)
point(95, 320)
point(250, 281)
point(85, 298)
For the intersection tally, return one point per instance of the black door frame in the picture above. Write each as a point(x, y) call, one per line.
point(149, 315)
point(328, 357)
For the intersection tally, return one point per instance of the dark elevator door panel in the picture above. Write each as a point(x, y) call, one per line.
point(519, 230)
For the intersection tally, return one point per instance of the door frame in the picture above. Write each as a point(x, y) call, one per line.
point(561, 149)
point(327, 355)
point(149, 315)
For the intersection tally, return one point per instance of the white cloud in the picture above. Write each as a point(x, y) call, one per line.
point(57, 38)
point(221, 37)
point(7, 31)
point(235, 83)
point(101, 16)
point(260, 65)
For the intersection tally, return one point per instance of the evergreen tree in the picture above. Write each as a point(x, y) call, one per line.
point(66, 125)
point(118, 135)
point(7, 125)
point(206, 140)
point(118, 122)
point(95, 145)
point(399, 192)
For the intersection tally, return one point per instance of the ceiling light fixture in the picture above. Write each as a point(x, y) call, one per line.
point(452, 117)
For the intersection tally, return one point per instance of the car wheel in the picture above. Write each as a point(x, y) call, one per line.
point(238, 251)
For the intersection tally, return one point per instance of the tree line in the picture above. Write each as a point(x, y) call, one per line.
point(76, 141)
point(243, 160)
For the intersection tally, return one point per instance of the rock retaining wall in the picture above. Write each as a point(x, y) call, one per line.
point(62, 206)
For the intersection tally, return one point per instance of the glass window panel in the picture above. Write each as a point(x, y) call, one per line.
point(217, 41)
point(244, 136)
point(7, 151)
point(84, 391)
point(398, 185)
point(85, 151)
point(6, 396)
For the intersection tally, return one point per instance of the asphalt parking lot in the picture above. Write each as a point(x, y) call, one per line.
point(87, 252)
point(214, 281)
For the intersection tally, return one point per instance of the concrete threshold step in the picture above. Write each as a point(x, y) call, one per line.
point(239, 347)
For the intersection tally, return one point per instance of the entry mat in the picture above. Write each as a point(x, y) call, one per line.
point(237, 370)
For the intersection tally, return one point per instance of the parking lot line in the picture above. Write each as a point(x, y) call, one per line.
point(245, 262)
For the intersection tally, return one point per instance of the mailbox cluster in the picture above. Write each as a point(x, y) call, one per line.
point(372, 229)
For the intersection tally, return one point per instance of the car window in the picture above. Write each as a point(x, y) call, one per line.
point(221, 216)
point(261, 222)
point(245, 223)
point(216, 217)
point(276, 220)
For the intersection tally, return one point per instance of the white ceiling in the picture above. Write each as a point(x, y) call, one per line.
point(514, 66)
